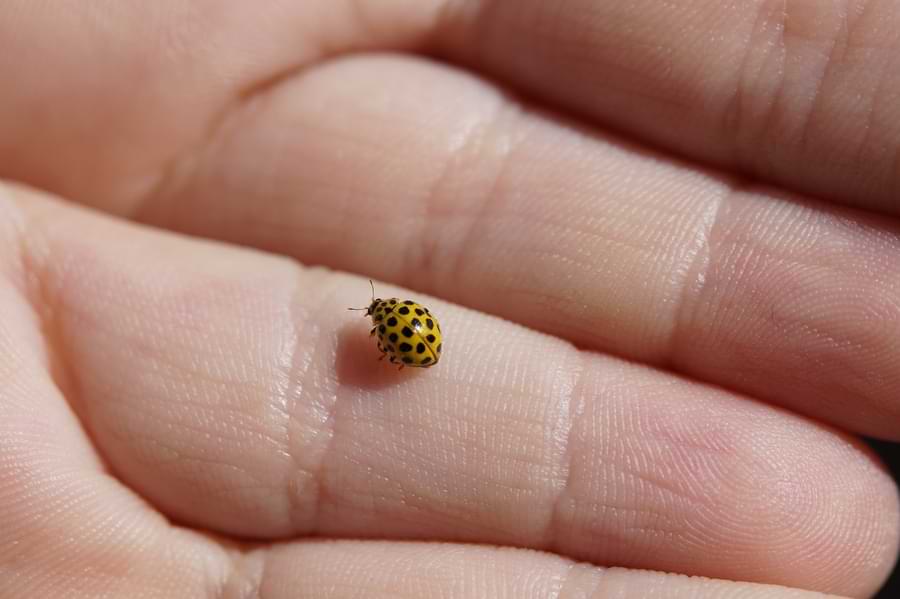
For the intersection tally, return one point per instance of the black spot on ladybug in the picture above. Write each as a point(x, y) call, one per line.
point(393, 337)
point(393, 301)
point(392, 321)
point(403, 310)
point(429, 323)
point(381, 329)
point(405, 347)
point(416, 323)
point(407, 332)
point(407, 360)
point(430, 338)
point(420, 348)
point(419, 312)
point(378, 317)
point(409, 302)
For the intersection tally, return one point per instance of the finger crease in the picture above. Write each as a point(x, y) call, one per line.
point(574, 408)
point(479, 219)
point(697, 263)
point(298, 368)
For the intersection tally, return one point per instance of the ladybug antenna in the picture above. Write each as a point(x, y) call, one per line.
point(373, 297)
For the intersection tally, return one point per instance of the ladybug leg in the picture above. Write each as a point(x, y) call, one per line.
point(372, 332)
point(383, 352)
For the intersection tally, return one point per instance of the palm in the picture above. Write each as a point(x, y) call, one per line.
point(182, 418)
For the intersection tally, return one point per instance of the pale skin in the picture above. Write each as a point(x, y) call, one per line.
point(685, 213)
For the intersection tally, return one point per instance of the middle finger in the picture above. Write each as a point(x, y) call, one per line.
point(438, 181)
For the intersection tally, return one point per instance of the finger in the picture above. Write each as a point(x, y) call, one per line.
point(440, 183)
point(798, 92)
point(776, 92)
point(236, 392)
point(68, 529)
point(339, 570)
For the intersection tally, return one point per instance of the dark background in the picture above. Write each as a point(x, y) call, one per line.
point(890, 453)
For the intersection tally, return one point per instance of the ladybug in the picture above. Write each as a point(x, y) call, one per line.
point(408, 333)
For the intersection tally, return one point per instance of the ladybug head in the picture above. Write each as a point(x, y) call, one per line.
point(370, 309)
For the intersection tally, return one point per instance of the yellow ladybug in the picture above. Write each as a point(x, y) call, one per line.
point(408, 333)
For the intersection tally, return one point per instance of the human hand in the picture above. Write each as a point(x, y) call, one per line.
point(185, 418)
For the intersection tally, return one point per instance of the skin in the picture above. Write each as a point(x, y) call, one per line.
point(685, 214)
